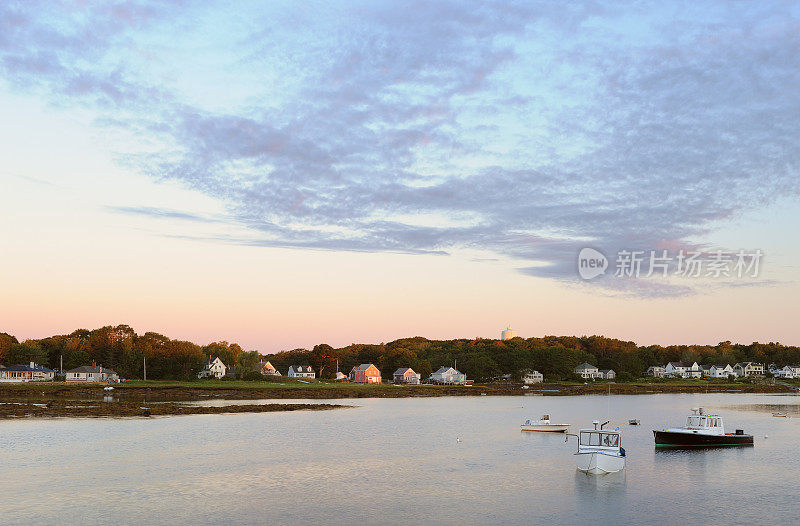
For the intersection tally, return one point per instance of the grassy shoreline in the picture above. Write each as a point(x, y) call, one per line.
point(162, 398)
point(288, 389)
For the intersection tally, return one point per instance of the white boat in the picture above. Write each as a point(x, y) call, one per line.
point(543, 425)
point(600, 451)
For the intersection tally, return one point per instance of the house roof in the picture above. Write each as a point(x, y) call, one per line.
point(90, 369)
point(682, 364)
point(443, 370)
point(403, 370)
point(584, 366)
point(211, 360)
point(22, 367)
point(606, 370)
point(301, 368)
point(364, 367)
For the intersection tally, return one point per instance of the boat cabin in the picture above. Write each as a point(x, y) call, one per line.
point(698, 421)
point(599, 438)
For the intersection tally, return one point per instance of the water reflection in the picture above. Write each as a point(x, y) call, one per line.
point(608, 485)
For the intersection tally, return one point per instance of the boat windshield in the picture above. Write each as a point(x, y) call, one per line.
point(590, 438)
point(703, 421)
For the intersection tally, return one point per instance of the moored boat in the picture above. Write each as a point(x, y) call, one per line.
point(544, 425)
point(701, 430)
point(600, 451)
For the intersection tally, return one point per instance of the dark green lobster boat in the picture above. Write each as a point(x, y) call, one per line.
point(702, 430)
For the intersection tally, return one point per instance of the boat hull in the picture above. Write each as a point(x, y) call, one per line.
point(551, 428)
point(673, 439)
point(599, 463)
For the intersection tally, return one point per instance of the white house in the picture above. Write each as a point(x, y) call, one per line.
point(587, 371)
point(607, 374)
point(683, 369)
point(787, 371)
point(656, 371)
point(720, 371)
point(748, 370)
point(448, 375)
point(93, 373)
point(340, 376)
point(213, 368)
point(532, 377)
point(301, 371)
point(508, 333)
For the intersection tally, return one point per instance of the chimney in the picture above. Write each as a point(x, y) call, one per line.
point(33, 365)
point(94, 364)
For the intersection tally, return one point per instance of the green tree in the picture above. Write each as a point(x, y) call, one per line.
point(249, 362)
point(26, 352)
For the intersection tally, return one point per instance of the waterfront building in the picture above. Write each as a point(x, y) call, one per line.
point(656, 371)
point(683, 370)
point(607, 374)
point(26, 373)
point(366, 373)
point(532, 377)
point(91, 373)
point(508, 333)
point(587, 371)
point(448, 375)
point(748, 370)
point(340, 376)
point(406, 375)
point(301, 371)
point(213, 368)
point(268, 370)
point(720, 371)
point(787, 371)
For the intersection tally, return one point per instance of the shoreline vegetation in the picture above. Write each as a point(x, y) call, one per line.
point(483, 360)
point(138, 398)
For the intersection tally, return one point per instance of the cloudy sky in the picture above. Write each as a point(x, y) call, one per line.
point(361, 171)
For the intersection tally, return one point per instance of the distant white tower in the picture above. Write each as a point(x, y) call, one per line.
point(507, 333)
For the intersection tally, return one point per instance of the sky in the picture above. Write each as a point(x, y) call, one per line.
point(284, 174)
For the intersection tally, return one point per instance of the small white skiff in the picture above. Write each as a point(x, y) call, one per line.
point(543, 425)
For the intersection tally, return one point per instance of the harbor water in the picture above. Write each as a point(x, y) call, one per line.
point(450, 460)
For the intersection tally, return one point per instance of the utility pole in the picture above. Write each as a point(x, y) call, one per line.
point(61, 363)
point(144, 358)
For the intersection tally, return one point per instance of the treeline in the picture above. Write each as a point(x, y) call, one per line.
point(121, 349)
point(554, 356)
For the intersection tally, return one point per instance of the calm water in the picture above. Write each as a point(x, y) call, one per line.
point(398, 461)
